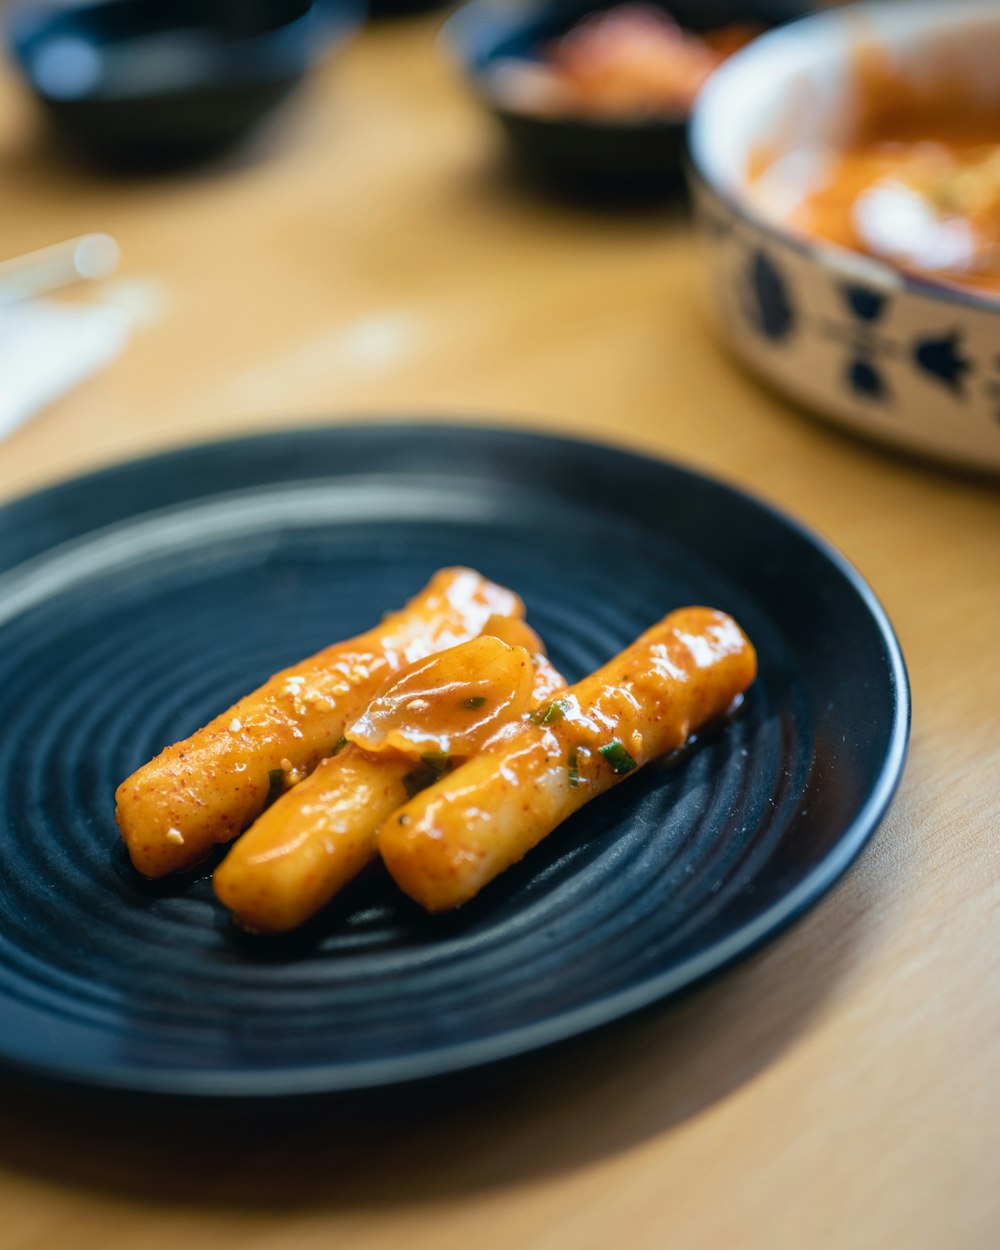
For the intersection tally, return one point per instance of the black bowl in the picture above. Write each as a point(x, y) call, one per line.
point(403, 8)
point(582, 155)
point(161, 83)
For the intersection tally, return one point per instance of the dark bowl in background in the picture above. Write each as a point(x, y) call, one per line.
point(152, 84)
point(403, 8)
point(581, 155)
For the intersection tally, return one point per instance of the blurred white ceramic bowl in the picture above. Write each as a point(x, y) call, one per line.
point(899, 358)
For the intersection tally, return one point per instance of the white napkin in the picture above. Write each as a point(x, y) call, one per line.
point(46, 348)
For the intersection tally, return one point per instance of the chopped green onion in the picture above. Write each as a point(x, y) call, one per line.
point(432, 766)
point(419, 779)
point(618, 757)
point(276, 784)
point(339, 745)
point(474, 701)
point(573, 772)
point(555, 711)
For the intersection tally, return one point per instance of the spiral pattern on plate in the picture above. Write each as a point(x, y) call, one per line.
point(131, 624)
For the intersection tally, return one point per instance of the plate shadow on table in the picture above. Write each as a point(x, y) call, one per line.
point(556, 1111)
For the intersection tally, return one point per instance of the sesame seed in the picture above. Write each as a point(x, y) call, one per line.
point(286, 763)
point(235, 725)
point(175, 836)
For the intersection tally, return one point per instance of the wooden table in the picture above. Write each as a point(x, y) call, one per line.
point(841, 1090)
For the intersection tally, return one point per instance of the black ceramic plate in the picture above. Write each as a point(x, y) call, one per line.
point(137, 602)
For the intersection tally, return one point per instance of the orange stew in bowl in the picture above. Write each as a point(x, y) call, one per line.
point(920, 185)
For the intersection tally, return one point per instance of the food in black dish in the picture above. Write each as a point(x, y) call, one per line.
point(139, 600)
point(160, 83)
point(583, 139)
point(630, 62)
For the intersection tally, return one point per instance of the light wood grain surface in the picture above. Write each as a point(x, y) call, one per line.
point(840, 1090)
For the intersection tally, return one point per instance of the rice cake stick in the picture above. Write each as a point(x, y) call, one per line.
point(447, 842)
point(208, 788)
point(316, 838)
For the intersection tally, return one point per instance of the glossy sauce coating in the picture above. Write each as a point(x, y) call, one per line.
point(208, 788)
point(449, 703)
point(318, 836)
point(309, 844)
point(453, 838)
